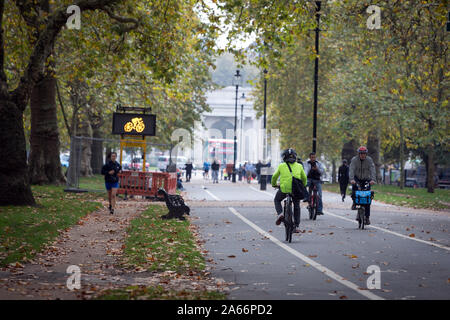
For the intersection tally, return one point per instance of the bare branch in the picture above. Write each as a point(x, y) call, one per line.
point(124, 20)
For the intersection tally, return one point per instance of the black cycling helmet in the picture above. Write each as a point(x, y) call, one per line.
point(289, 155)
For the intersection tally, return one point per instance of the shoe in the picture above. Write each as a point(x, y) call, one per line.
point(320, 213)
point(111, 211)
point(279, 219)
point(343, 197)
point(354, 206)
point(367, 222)
point(296, 230)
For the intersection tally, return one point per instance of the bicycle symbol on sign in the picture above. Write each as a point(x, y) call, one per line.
point(135, 124)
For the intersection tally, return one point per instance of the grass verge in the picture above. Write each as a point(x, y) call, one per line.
point(409, 197)
point(25, 230)
point(159, 245)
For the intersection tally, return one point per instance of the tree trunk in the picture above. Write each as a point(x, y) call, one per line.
point(430, 170)
point(333, 171)
point(85, 131)
point(97, 152)
point(373, 144)
point(402, 158)
point(44, 161)
point(14, 182)
point(108, 151)
point(349, 150)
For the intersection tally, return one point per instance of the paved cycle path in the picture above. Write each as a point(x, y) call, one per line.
point(330, 258)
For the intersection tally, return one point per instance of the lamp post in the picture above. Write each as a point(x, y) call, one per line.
point(236, 82)
point(316, 74)
point(242, 119)
point(263, 177)
point(265, 115)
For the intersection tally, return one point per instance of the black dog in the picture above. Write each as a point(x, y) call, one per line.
point(175, 204)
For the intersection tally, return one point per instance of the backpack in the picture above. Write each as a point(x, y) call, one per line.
point(298, 189)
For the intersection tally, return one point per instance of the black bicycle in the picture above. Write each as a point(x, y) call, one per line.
point(288, 211)
point(363, 199)
point(313, 202)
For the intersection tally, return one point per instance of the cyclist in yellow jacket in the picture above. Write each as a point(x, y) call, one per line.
point(283, 172)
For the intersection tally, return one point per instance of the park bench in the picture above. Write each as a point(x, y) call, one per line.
point(175, 204)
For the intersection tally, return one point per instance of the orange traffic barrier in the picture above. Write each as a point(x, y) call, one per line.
point(146, 183)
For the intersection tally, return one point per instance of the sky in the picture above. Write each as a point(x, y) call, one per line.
point(221, 42)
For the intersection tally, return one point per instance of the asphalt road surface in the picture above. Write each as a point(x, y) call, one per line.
point(403, 254)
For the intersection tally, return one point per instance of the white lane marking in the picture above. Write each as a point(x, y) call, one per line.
point(392, 232)
point(311, 262)
point(378, 228)
point(210, 193)
point(265, 192)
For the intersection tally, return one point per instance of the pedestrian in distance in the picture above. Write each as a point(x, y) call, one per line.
point(110, 170)
point(206, 166)
point(215, 167)
point(229, 169)
point(188, 168)
point(258, 167)
point(343, 178)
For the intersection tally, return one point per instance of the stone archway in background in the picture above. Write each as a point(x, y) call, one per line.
point(222, 126)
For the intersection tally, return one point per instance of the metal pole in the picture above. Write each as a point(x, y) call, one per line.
point(235, 140)
point(242, 143)
point(316, 75)
point(265, 115)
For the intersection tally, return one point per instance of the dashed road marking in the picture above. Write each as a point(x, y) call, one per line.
point(311, 262)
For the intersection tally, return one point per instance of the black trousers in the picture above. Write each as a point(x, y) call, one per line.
point(188, 175)
point(343, 186)
point(280, 196)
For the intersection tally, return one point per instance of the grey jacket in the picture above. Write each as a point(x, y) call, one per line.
point(362, 169)
point(320, 167)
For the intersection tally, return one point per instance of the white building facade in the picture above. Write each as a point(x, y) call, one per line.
point(214, 137)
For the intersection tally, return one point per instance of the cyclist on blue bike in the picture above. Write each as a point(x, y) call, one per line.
point(314, 171)
point(283, 172)
point(362, 169)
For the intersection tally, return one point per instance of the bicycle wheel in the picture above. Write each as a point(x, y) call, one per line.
point(315, 207)
point(288, 223)
point(361, 216)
